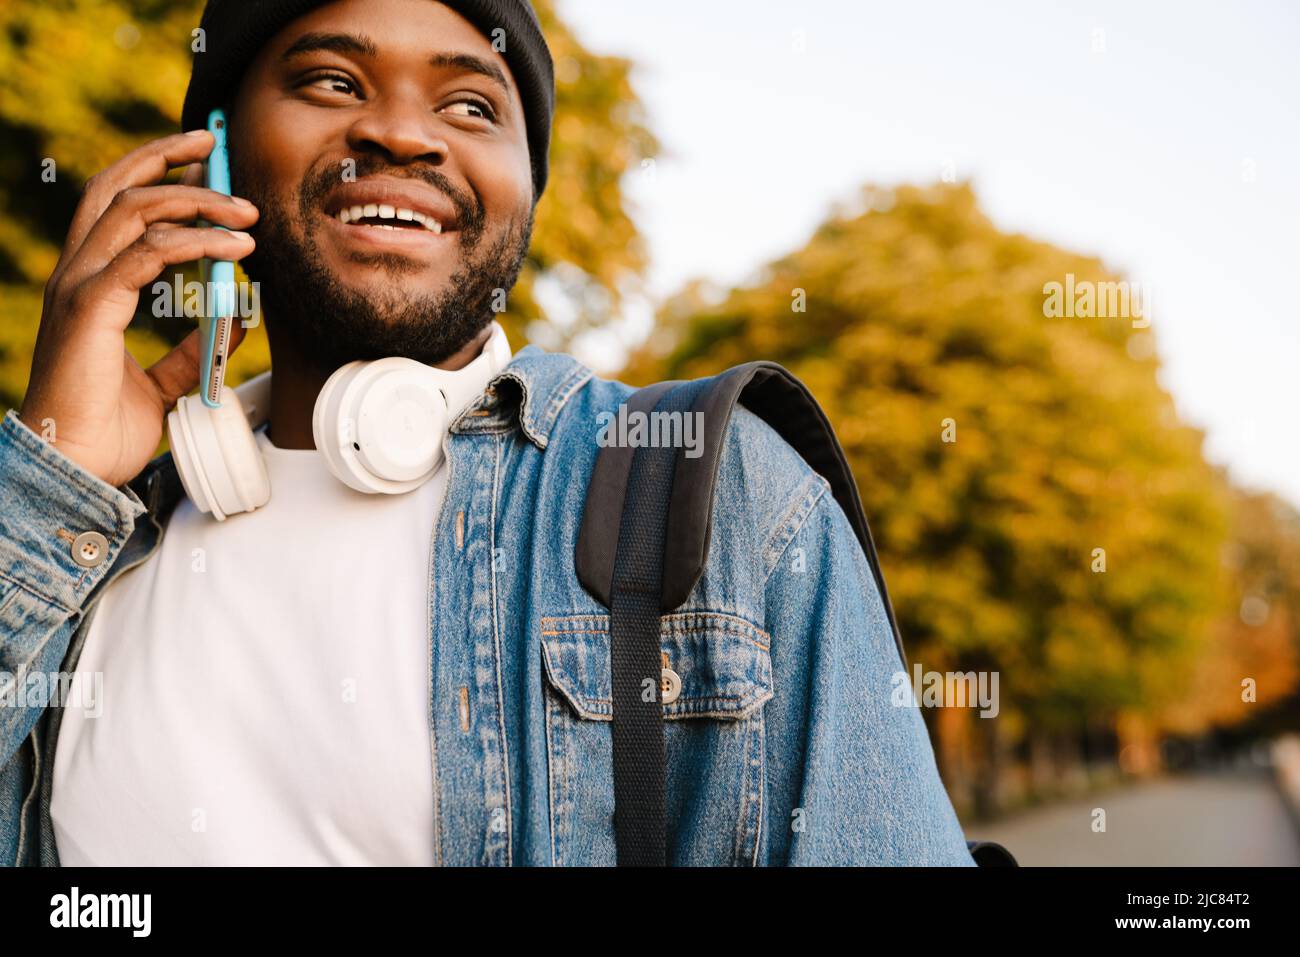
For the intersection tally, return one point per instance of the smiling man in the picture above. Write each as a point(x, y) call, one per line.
point(418, 677)
point(387, 148)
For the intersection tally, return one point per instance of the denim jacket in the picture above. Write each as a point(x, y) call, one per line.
point(782, 747)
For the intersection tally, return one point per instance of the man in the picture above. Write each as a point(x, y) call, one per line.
point(341, 678)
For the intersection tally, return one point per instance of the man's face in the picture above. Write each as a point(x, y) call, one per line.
point(396, 110)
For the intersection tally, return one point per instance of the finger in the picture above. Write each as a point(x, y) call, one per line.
point(193, 175)
point(177, 373)
point(237, 333)
point(121, 281)
point(141, 167)
point(136, 208)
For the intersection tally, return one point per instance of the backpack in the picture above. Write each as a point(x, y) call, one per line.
point(642, 546)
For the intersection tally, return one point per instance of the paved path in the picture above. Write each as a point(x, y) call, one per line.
point(1194, 820)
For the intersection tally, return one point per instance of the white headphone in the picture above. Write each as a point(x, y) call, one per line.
point(379, 424)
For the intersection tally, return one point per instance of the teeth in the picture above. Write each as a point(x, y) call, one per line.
point(355, 213)
point(428, 222)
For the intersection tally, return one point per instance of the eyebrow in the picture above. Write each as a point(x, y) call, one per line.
point(471, 64)
point(357, 45)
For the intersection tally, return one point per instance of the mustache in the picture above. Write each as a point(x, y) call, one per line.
point(318, 183)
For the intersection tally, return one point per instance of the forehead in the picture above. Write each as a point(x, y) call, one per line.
point(391, 31)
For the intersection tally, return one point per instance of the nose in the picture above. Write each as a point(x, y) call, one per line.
point(400, 128)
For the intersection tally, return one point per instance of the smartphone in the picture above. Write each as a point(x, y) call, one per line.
point(215, 325)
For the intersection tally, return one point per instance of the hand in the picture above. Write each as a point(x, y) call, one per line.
point(107, 411)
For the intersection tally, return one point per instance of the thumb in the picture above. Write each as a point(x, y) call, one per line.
point(177, 373)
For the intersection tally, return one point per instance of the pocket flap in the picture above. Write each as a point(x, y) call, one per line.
point(722, 660)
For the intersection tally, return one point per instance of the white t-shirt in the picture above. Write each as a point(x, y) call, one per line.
point(265, 695)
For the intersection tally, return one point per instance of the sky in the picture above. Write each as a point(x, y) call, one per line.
point(1161, 137)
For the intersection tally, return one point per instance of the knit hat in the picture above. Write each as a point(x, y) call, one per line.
point(235, 30)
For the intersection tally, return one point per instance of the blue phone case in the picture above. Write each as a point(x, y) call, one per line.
point(218, 280)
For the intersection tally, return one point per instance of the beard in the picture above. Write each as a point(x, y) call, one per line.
point(332, 324)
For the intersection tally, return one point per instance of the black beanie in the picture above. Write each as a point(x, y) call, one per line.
point(235, 30)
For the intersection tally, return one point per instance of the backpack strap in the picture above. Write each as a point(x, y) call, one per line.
point(773, 394)
point(642, 546)
point(159, 487)
point(990, 854)
point(635, 586)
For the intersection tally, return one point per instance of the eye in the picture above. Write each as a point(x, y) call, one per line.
point(484, 110)
point(331, 82)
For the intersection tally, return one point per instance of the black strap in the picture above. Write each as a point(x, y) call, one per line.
point(159, 487)
point(990, 854)
point(635, 665)
point(646, 563)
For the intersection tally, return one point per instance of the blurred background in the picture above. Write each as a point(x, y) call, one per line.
point(1099, 505)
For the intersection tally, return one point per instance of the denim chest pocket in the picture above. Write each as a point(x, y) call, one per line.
point(713, 737)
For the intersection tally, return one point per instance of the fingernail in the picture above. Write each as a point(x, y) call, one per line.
point(196, 132)
point(240, 201)
point(240, 233)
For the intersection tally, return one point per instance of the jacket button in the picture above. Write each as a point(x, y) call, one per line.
point(670, 684)
point(89, 549)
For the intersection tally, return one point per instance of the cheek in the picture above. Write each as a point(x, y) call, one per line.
point(504, 181)
point(266, 166)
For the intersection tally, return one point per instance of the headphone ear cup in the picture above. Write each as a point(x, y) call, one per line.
point(326, 418)
point(217, 456)
point(379, 424)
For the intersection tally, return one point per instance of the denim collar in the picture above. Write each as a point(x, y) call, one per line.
point(532, 389)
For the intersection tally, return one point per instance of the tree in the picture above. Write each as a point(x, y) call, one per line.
point(1039, 507)
point(1251, 662)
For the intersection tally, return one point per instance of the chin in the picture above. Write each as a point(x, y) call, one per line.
point(378, 285)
